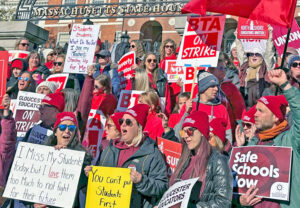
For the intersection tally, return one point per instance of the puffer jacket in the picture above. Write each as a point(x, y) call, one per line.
point(148, 161)
point(218, 184)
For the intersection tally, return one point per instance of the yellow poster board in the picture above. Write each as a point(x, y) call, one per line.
point(109, 187)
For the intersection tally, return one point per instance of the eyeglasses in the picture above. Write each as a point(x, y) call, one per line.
point(248, 125)
point(63, 127)
point(132, 46)
point(58, 63)
point(254, 54)
point(150, 60)
point(295, 64)
point(24, 78)
point(24, 44)
point(128, 122)
point(189, 132)
point(100, 56)
point(169, 46)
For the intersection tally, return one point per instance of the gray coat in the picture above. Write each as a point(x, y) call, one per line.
point(148, 161)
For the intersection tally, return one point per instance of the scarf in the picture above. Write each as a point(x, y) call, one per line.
point(273, 132)
point(252, 71)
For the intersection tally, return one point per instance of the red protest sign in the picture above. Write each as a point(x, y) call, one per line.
point(3, 74)
point(124, 68)
point(201, 41)
point(172, 151)
point(189, 77)
point(25, 119)
point(174, 72)
point(94, 131)
point(13, 54)
point(128, 98)
point(252, 29)
point(266, 167)
point(60, 79)
point(279, 37)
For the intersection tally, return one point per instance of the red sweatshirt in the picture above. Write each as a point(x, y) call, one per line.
point(154, 127)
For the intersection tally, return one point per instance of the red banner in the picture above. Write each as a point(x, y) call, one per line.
point(13, 54)
point(3, 74)
point(60, 79)
point(252, 29)
point(124, 68)
point(172, 151)
point(279, 37)
point(265, 167)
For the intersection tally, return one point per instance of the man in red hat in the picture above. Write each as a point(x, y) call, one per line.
point(274, 130)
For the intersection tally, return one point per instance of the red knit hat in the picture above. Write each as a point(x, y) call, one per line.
point(115, 118)
point(65, 116)
point(199, 120)
point(276, 104)
point(249, 115)
point(140, 113)
point(17, 64)
point(218, 128)
point(55, 99)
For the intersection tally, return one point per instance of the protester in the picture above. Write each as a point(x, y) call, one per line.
point(233, 56)
point(140, 81)
point(33, 60)
point(48, 55)
point(25, 83)
point(167, 52)
point(46, 87)
point(294, 66)
point(198, 159)
point(17, 66)
point(149, 175)
point(175, 116)
point(58, 64)
point(273, 130)
point(138, 48)
point(217, 128)
point(22, 44)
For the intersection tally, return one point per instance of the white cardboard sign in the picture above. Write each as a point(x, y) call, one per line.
point(128, 98)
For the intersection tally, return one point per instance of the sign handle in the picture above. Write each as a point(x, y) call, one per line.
point(193, 85)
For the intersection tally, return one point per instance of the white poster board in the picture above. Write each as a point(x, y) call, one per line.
point(81, 49)
point(128, 98)
point(41, 174)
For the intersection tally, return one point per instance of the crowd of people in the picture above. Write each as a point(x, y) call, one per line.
point(245, 100)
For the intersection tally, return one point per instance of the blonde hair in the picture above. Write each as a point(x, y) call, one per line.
point(104, 80)
point(138, 139)
point(162, 47)
point(141, 80)
point(218, 141)
point(151, 98)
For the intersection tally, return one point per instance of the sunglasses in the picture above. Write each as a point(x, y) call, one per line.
point(169, 46)
point(132, 46)
point(51, 54)
point(100, 56)
point(63, 127)
point(128, 122)
point(58, 63)
point(150, 60)
point(24, 78)
point(248, 125)
point(295, 64)
point(254, 54)
point(189, 132)
point(24, 44)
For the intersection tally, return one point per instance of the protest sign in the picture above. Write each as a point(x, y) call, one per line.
point(265, 167)
point(81, 49)
point(3, 74)
point(38, 134)
point(252, 29)
point(128, 98)
point(41, 174)
point(26, 112)
point(60, 79)
point(174, 72)
point(94, 131)
point(201, 41)
point(172, 151)
point(13, 54)
point(250, 44)
point(178, 193)
point(189, 77)
point(279, 37)
point(109, 187)
point(124, 68)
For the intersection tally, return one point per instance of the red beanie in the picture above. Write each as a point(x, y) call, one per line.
point(249, 115)
point(56, 99)
point(115, 118)
point(17, 64)
point(140, 113)
point(276, 104)
point(199, 120)
point(218, 128)
point(65, 116)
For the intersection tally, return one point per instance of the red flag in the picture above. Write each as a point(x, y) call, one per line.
point(278, 12)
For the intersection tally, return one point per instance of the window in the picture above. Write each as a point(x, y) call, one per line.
point(98, 1)
point(62, 38)
point(70, 1)
point(41, 2)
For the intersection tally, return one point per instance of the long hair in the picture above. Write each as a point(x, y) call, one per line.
point(141, 80)
point(151, 98)
point(162, 47)
point(155, 71)
point(181, 95)
point(219, 144)
point(202, 157)
point(140, 51)
point(71, 99)
point(104, 80)
point(19, 41)
point(32, 85)
point(32, 53)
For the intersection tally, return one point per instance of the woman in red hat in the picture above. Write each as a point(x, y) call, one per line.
point(138, 152)
point(199, 159)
